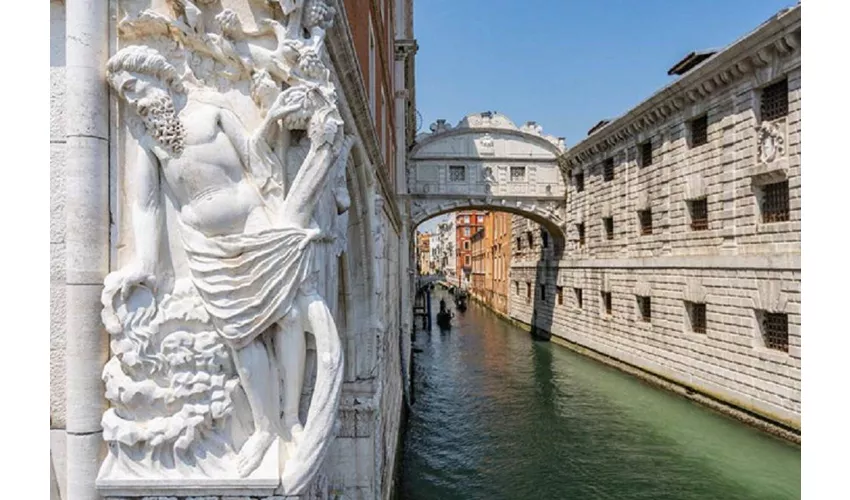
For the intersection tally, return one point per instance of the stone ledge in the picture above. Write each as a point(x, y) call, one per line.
point(773, 262)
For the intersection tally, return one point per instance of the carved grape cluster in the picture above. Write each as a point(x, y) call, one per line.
point(311, 64)
point(320, 14)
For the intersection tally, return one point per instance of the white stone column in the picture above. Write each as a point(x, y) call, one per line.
point(87, 239)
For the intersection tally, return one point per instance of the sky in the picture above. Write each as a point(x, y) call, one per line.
point(565, 64)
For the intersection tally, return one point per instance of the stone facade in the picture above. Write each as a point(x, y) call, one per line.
point(362, 459)
point(423, 253)
point(691, 200)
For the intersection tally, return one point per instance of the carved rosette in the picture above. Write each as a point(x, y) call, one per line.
point(771, 141)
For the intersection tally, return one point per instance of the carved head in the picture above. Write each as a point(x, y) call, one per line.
point(146, 81)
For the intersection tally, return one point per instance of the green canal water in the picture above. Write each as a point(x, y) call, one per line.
point(498, 415)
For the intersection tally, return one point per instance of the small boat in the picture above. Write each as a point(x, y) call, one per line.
point(460, 300)
point(444, 319)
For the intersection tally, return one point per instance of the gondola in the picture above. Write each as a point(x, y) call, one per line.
point(444, 319)
point(460, 300)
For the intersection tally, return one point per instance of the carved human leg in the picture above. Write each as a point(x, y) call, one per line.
point(255, 374)
point(322, 415)
point(291, 350)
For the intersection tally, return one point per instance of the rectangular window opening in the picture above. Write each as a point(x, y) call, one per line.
point(608, 170)
point(646, 154)
point(699, 131)
point(775, 331)
point(579, 302)
point(606, 302)
point(559, 292)
point(774, 100)
point(608, 222)
point(457, 173)
point(699, 214)
point(580, 229)
point(696, 312)
point(645, 221)
point(517, 174)
point(579, 178)
point(775, 206)
point(645, 306)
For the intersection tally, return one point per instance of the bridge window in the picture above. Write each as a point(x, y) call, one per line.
point(579, 301)
point(699, 131)
point(457, 173)
point(545, 237)
point(699, 214)
point(775, 331)
point(517, 174)
point(646, 154)
point(608, 170)
point(774, 100)
point(774, 204)
point(559, 292)
point(645, 307)
point(696, 314)
point(608, 224)
point(645, 217)
point(607, 302)
point(579, 180)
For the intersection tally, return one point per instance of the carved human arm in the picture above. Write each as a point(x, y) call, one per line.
point(144, 190)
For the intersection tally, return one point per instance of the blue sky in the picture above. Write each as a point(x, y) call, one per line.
point(565, 64)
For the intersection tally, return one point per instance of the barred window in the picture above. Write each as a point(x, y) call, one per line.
point(699, 131)
point(697, 315)
point(608, 170)
point(646, 154)
point(580, 229)
point(579, 301)
point(580, 182)
point(774, 100)
point(517, 174)
point(645, 306)
point(775, 331)
point(457, 173)
point(606, 302)
point(774, 206)
point(699, 214)
point(559, 292)
point(645, 221)
point(608, 222)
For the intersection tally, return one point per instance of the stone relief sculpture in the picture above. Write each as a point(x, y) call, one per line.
point(209, 356)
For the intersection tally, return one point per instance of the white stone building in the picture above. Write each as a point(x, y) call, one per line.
point(89, 140)
point(683, 237)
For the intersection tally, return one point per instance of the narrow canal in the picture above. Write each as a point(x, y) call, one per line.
point(500, 416)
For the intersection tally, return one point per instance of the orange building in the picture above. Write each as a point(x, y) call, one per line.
point(467, 223)
point(491, 261)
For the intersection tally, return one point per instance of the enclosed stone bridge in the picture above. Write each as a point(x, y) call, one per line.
point(487, 162)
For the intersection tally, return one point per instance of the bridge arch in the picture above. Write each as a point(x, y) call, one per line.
point(487, 162)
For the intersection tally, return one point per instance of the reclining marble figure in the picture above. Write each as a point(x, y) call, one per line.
point(249, 248)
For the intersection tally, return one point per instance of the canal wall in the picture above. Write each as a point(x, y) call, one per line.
point(682, 257)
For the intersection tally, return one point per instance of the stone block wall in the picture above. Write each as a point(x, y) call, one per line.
point(57, 246)
point(741, 267)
